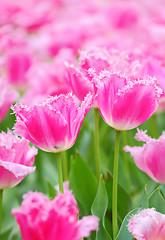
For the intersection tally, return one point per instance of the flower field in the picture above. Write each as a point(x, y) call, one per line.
point(82, 141)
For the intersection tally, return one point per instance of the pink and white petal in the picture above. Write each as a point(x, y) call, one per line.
point(137, 154)
point(133, 107)
point(76, 121)
point(147, 225)
point(104, 102)
point(29, 159)
point(12, 173)
point(79, 83)
point(24, 154)
point(7, 153)
point(106, 93)
point(97, 58)
point(53, 128)
point(43, 126)
point(142, 136)
point(154, 163)
point(85, 226)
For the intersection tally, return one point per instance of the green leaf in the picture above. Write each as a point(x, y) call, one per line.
point(12, 233)
point(99, 208)
point(52, 192)
point(4, 235)
point(83, 183)
point(124, 234)
point(157, 201)
point(162, 189)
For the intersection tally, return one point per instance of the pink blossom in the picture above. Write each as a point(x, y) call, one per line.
point(121, 15)
point(18, 62)
point(150, 157)
point(19, 13)
point(90, 61)
point(52, 126)
point(155, 68)
point(124, 102)
point(16, 159)
point(147, 225)
point(7, 97)
point(95, 60)
point(40, 218)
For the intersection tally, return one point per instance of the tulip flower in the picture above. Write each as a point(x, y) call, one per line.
point(17, 64)
point(52, 126)
point(125, 103)
point(92, 62)
point(147, 225)
point(150, 158)
point(16, 159)
point(40, 218)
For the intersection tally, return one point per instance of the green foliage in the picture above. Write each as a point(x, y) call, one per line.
point(99, 208)
point(157, 201)
point(83, 183)
point(52, 192)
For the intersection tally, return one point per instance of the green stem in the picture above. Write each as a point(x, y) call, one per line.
point(96, 140)
point(125, 160)
point(60, 177)
point(115, 184)
point(1, 196)
point(65, 165)
point(154, 130)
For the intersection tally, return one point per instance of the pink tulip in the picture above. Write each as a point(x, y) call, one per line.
point(16, 159)
point(80, 77)
point(124, 102)
point(150, 158)
point(7, 97)
point(154, 67)
point(95, 60)
point(40, 218)
point(17, 65)
point(52, 126)
point(147, 225)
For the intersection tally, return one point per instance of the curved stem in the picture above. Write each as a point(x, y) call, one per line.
point(1, 197)
point(65, 165)
point(96, 140)
point(115, 183)
point(60, 176)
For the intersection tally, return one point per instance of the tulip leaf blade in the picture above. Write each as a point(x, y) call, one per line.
point(157, 201)
point(123, 232)
point(52, 192)
point(99, 208)
point(83, 183)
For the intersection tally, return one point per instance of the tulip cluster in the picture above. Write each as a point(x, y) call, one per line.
point(67, 67)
